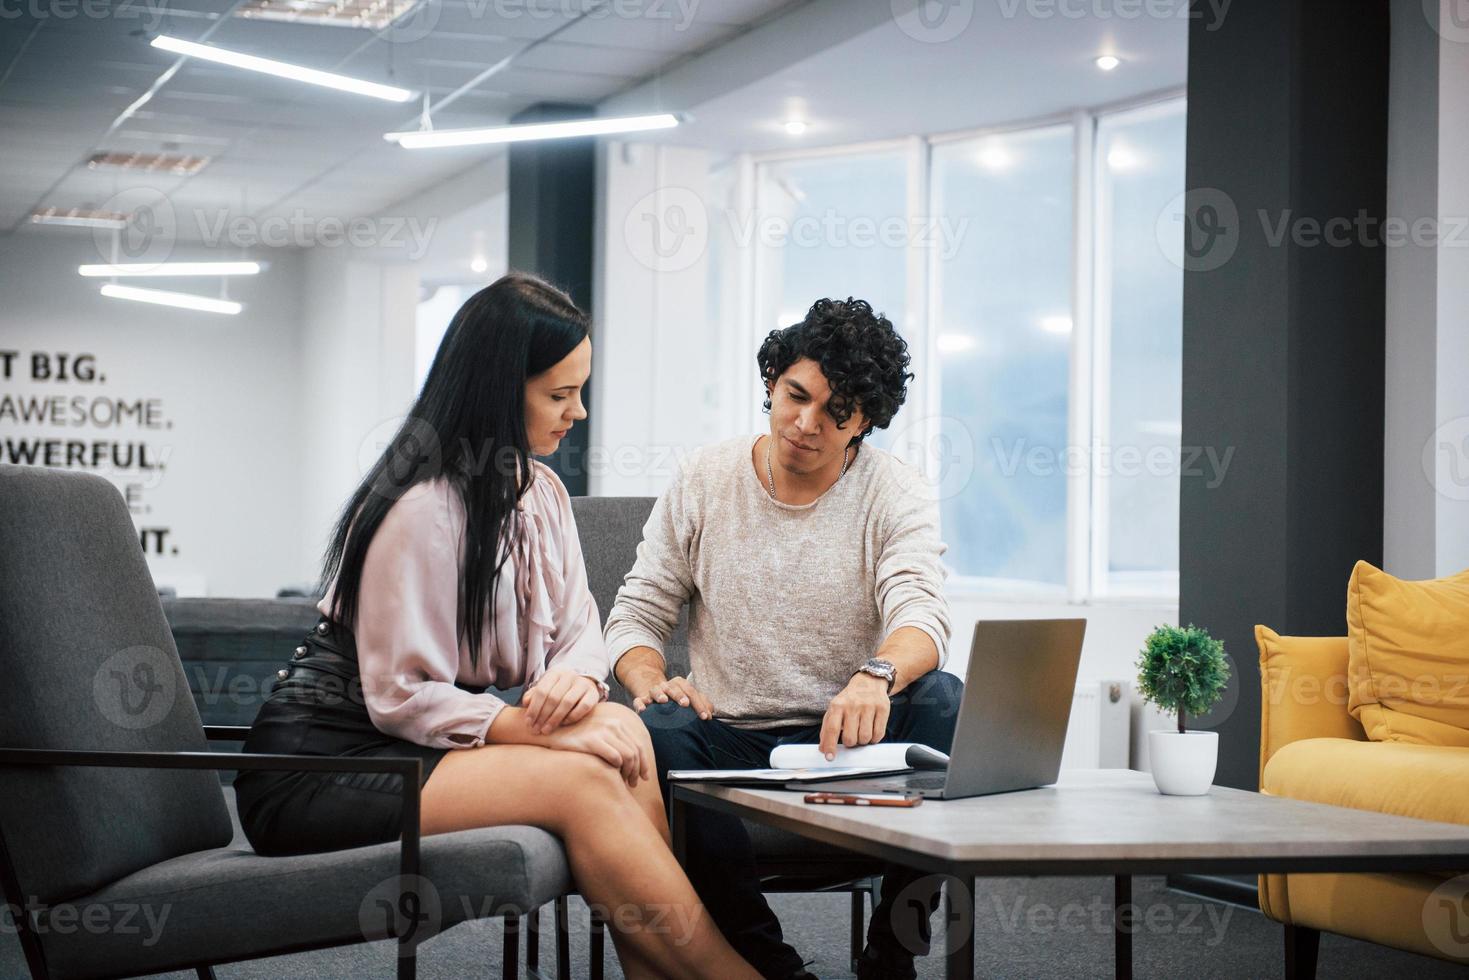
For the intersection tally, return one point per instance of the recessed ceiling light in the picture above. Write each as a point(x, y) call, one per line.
point(79, 218)
point(995, 157)
point(164, 269)
point(434, 138)
point(1057, 323)
point(160, 297)
point(1107, 62)
point(371, 14)
point(1123, 158)
point(281, 69)
point(478, 265)
point(166, 163)
point(795, 127)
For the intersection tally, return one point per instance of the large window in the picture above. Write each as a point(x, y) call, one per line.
point(1002, 312)
point(1041, 294)
point(1139, 354)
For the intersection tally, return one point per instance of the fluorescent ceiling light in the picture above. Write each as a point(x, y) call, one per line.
point(79, 218)
point(425, 139)
point(795, 127)
point(171, 269)
point(1107, 62)
point(1058, 323)
point(281, 69)
point(186, 301)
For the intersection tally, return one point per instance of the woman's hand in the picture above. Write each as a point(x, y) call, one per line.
point(615, 735)
point(560, 698)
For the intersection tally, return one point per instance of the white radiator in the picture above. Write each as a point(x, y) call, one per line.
point(1100, 730)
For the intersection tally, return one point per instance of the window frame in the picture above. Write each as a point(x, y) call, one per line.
point(1089, 397)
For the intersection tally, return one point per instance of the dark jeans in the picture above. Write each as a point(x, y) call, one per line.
point(721, 859)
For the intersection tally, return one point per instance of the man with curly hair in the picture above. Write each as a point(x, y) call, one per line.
point(809, 563)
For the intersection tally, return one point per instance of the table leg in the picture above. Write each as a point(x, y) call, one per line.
point(959, 963)
point(1122, 926)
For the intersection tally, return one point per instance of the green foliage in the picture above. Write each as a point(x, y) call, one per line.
point(1182, 670)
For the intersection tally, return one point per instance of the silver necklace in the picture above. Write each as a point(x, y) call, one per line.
point(770, 473)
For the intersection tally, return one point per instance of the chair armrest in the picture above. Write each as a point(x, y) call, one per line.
point(1303, 690)
point(411, 769)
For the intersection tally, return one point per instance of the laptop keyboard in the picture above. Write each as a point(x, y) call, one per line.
point(926, 780)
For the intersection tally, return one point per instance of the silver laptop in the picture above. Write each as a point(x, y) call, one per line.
point(1012, 720)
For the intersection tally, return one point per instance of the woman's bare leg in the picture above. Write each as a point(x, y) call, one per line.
point(618, 855)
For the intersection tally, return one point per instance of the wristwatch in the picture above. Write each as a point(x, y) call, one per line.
point(885, 669)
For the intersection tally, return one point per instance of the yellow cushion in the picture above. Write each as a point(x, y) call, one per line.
point(1303, 694)
point(1422, 781)
point(1408, 645)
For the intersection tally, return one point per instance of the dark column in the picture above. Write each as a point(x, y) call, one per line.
point(1282, 331)
point(552, 188)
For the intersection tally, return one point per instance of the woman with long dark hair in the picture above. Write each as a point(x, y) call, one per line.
point(456, 567)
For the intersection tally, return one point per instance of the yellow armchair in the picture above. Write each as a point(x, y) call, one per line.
point(1311, 748)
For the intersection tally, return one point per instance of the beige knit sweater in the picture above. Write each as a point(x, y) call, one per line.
point(785, 601)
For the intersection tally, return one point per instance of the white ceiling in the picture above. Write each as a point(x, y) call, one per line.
point(853, 69)
point(279, 146)
point(900, 77)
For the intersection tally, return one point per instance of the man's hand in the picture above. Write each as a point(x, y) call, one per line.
point(857, 716)
point(558, 698)
point(660, 690)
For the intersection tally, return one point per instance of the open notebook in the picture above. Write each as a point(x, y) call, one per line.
point(802, 763)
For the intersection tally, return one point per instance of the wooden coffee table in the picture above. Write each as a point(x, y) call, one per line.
point(1094, 822)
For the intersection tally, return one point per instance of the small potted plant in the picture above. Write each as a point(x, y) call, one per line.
point(1183, 671)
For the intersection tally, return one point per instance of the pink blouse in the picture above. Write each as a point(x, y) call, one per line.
point(408, 648)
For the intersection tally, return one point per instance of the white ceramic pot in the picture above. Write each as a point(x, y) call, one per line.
point(1183, 762)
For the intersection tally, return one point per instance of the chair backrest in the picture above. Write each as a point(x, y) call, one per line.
point(90, 664)
point(610, 529)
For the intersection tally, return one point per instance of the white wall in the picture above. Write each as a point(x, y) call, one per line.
point(1426, 460)
point(1452, 530)
point(226, 387)
point(356, 352)
point(657, 354)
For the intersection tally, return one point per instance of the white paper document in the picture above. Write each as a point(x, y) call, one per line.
point(799, 763)
point(887, 757)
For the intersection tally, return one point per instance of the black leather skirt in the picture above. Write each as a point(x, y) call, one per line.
point(316, 708)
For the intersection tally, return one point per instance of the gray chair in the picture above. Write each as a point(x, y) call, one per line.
point(110, 805)
point(610, 529)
